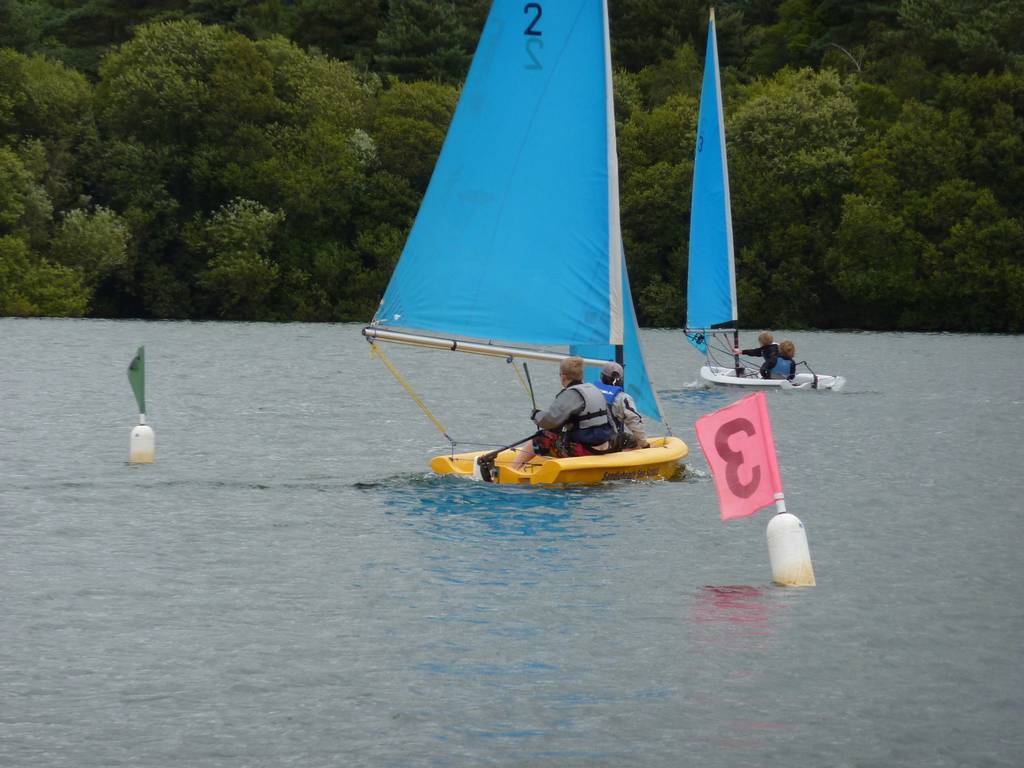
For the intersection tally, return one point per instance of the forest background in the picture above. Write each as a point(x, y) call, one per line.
point(265, 160)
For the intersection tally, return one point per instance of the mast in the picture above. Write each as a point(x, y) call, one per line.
point(616, 259)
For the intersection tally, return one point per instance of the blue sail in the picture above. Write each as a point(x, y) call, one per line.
point(517, 238)
point(711, 279)
point(637, 381)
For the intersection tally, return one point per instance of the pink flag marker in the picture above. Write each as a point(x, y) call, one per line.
point(737, 441)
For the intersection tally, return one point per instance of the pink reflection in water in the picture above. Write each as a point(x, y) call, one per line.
point(748, 607)
point(735, 629)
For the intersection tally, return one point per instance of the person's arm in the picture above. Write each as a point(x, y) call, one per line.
point(631, 418)
point(566, 403)
point(753, 352)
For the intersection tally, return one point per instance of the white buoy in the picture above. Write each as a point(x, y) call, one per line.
point(142, 448)
point(787, 549)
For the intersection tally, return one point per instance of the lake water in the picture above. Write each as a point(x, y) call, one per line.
point(288, 585)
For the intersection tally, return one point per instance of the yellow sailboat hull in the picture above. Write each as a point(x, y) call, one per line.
point(660, 461)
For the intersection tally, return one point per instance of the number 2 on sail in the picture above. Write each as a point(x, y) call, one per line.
point(734, 459)
point(534, 43)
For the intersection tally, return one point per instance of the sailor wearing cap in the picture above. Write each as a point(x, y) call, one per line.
point(627, 420)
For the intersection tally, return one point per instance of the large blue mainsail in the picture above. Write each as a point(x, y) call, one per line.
point(711, 279)
point(518, 238)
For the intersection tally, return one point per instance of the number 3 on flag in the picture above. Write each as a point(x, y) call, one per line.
point(737, 442)
point(734, 460)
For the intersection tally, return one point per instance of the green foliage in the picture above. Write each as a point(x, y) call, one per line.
point(680, 72)
point(656, 166)
point(227, 158)
point(662, 304)
point(924, 148)
point(41, 98)
point(994, 140)
point(239, 276)
point(343, 29)
point(221, 119)
point(409, 129)
point(978, 258)
point(378, 249)
point(424, 40)
point(18, 26)
point(33, 287)
point(157, 88)
point(626, 94)
point(791, 40)
point(25, 208)
point(645, 33)
point(966, 35)
point(791, 146)
point(95, 243)
point(45, 116)
point(877, 106)
point(874, 263)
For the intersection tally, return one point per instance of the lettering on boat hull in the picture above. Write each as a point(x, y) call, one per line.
point(644, 473)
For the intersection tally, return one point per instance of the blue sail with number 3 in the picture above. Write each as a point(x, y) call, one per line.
point(711, 278)
point(518, 236)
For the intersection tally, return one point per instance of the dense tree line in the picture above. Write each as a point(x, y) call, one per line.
point(265, 160)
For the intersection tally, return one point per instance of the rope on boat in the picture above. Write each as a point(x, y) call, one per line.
point(374, 349)
point(726, 349)
point(515, 367)
point(715, 344)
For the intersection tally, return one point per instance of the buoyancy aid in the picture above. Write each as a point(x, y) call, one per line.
point(608, 390)
point(595, 407)
point(594, 425)
point(784, 368)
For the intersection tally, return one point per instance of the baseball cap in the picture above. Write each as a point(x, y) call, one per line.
point(612, 369)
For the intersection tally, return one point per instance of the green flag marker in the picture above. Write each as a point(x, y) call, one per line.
point(137, 378)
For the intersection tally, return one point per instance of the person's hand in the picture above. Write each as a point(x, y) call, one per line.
point(735, 350)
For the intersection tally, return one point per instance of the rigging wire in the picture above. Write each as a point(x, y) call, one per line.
point(717, 344)
point(374, 349)
point(511, 360)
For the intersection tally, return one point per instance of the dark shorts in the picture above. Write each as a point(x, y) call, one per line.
point(627, 442)
point(549, 443)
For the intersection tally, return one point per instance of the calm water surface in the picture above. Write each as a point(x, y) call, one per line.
point(288, 585)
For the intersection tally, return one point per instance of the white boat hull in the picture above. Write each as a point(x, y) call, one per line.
point(714, 374)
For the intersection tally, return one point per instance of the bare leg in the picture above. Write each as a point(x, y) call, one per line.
point(524, 452)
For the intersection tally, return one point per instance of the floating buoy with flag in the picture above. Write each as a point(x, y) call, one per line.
point(142, 446)
point(737, 441)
